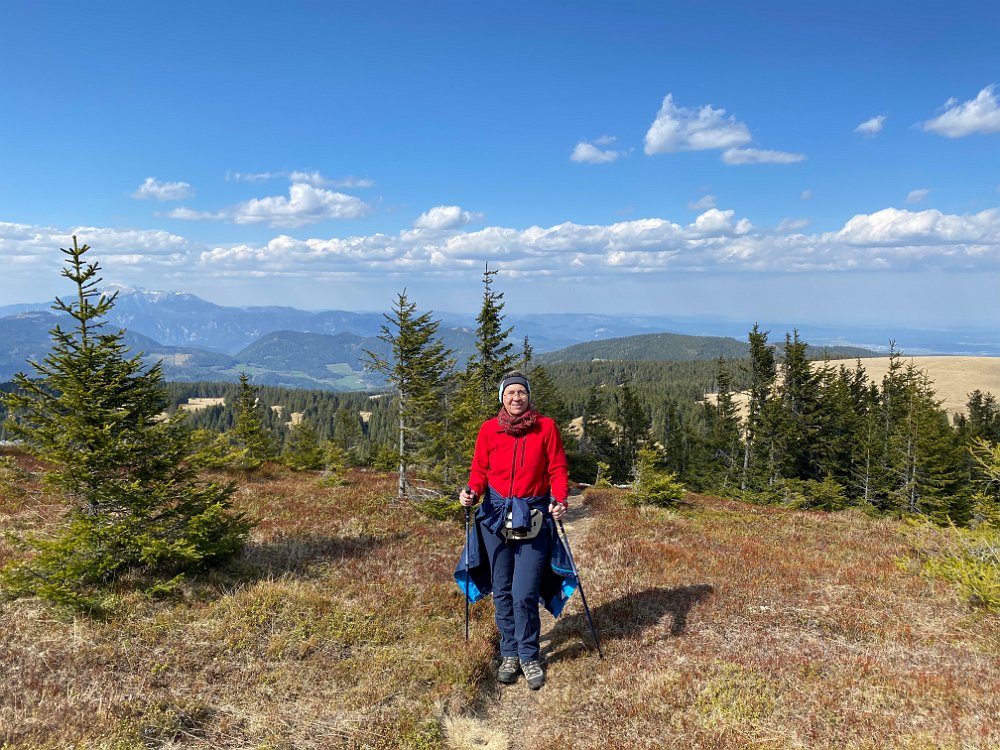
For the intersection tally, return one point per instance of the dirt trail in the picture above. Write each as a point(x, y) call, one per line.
point(505, 722)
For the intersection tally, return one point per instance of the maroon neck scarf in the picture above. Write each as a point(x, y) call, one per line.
point(519, 425)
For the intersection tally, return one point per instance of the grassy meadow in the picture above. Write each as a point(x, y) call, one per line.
point(724, 625)
point(954, 378)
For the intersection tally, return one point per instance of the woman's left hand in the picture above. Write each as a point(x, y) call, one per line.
point(557, 509)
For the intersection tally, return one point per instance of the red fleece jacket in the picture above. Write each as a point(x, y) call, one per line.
point(525, 466)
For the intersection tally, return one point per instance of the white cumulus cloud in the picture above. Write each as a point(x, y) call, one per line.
point(318, 180)
point(704, 202)
point(739, 156)
point(792, 225)
point(587, 152)
point(304, 205)
point(446, 217)
point(314, 178)
point(687, 129)
point(163, 191)
point(252, 176)
point(916, 196)
point(716, 240)
point(190, 214)
point(892, 226)
point(872, 126)
point(979, 115)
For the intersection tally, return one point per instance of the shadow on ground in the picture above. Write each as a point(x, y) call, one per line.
point(301, 555)
point(625, 617)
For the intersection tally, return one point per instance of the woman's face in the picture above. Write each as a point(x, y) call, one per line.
point(515, 400)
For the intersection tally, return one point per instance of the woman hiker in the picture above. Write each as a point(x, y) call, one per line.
point(519, 470)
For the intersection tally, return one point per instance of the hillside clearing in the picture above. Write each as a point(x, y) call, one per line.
point(724, 626)
point(954, 378)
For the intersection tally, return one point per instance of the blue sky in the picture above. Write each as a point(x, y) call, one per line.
point(794, 161)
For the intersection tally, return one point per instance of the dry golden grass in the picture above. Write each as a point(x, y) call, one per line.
point(340, 628)
point(954, 378)
point(724, 626)
point(732, 626)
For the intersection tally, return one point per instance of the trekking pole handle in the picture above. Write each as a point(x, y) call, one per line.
point(467, 490)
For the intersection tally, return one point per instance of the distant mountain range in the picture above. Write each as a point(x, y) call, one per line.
point(198, 340)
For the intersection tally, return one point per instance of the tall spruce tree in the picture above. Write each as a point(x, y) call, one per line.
point(758, 445)
point(476, 399)
point(95, 414)
point(349, 435)
point(418, 371)
point(631, 433)
point(798, 404)
point(986, 484)
point(838, 422)
point(983, 420)
point(928, 459)
point(545, 397)
point(724, 440)
point(596, 444)
point(494, 355)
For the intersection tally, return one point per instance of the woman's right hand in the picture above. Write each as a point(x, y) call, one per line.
point(467, 497)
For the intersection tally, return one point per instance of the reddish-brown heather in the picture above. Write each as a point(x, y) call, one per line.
point(724, 626)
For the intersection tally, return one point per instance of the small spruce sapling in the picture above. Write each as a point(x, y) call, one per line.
point(95, 414)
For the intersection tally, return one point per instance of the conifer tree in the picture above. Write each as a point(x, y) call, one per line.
point(418, 371)
point(493, 358)
point(838, 419)
point(545, 396)
point(927, 458)
point(476, 399)
point(757, 448)
point(631, 434)
point(675, 435)
point(724, 440)
point(596, 444)
point(349, 435)
point(798, 403)
point(254, 443)
point(653, 485)
point(983, 420)
point(986, 500)
point(890, 412)
point(95, 414)
point(302, 450)
point(866, 454)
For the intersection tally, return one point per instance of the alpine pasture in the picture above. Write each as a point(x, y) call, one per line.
point(724, 625)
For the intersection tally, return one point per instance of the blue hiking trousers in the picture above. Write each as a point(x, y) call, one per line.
point(517, 568)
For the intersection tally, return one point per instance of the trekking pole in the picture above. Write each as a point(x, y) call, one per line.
point(583, 597)
point(466, 552)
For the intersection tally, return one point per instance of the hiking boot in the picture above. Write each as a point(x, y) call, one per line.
point(533, 674)
point(509, 666)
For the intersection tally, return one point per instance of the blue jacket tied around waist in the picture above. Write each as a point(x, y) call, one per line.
point(558, 580)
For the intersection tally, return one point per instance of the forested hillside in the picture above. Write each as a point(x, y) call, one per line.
point(673, 347)
point(812, 435)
